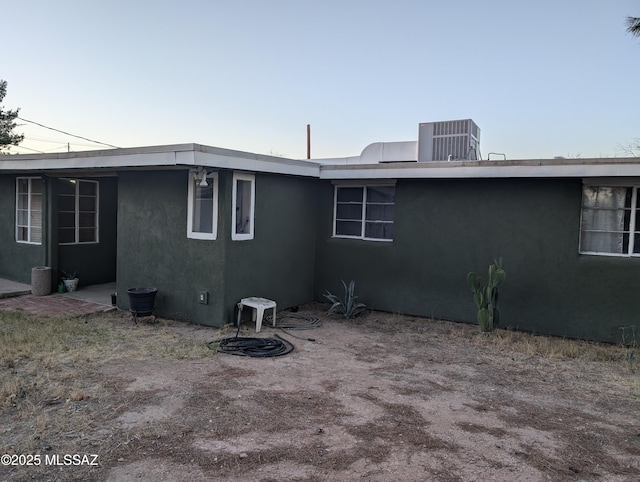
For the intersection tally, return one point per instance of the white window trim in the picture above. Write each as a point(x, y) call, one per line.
point(192, 184)
point(237, 176)
point(632, 219)
point(77, 213)
point(339, 184)
point(29, 209)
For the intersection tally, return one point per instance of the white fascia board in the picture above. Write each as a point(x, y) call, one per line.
point(90, 162)
point(257, 164)
point(199, 155)
point(187, 158)
point(337, 161)
point(161, 156)
point(512, 170)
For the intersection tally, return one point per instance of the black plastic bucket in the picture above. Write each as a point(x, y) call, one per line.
point(141, 300)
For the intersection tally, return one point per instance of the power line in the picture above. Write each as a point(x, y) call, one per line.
point(28, 148)
point(55, 141)
point(67, 133)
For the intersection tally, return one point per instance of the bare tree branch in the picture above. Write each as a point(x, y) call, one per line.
point(631, 148)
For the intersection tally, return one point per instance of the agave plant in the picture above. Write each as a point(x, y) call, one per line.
point(347, 307)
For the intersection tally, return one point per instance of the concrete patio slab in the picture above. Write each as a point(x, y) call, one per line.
point(95, 293)
point(13, 288)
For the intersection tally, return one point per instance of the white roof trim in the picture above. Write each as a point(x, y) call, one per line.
point(616, 167)
point(160, 156)
point(189, 155)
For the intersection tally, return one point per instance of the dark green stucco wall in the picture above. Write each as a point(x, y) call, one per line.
point(154, 251)
point(446, 228)
point(278, 264)
point(443, 229)
point(17, 259)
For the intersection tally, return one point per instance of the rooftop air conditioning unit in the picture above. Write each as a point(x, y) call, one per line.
point(457, 140)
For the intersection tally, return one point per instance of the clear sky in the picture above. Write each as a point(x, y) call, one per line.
point(541, 79)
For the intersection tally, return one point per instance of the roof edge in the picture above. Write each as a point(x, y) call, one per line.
point(190, 154)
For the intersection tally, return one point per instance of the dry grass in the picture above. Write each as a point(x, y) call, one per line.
point(553, 347)
point(41, 360)
point(627, 353)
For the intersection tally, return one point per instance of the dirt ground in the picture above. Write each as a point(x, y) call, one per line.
point(379, 398)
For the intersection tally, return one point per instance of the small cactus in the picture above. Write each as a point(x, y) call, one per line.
point(486, 297)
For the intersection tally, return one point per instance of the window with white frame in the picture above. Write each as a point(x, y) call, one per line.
point(77, 211)
point(29, 192)
point(610, 220)
point(202, 209)
point(242, 214)
point(364, 212)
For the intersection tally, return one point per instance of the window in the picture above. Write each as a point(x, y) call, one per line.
point(202, 210)
point(77, 211)
point(364, 212)
point(242, 213)
point(610, 221)
point(29, 210)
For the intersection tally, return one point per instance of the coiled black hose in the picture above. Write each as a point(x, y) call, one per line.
point(295, 321)
point(254, 347)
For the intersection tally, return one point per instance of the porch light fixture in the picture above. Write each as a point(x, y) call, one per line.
point(200, 177)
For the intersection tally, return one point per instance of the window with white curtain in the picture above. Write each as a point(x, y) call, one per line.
point(610, 221)
point(364, 212)
point(29, 192)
